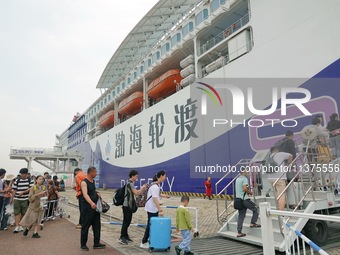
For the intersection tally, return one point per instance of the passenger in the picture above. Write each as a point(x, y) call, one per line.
point(7, 198)
point(153, 207)
point(52, 196)
point(283, 160)
point(333, 125)
point(242, 191)
point(322, 137)
point(80, 176)
point(20, 190)
point(183, 224)
point(90, 215)
point(127, 214)
point(2, 189)
point(208, 188)
point(46, 174)
point(56, 183)
point(35, 212)
point(287, 144)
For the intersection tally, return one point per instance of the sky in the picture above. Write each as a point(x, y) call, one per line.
point(52, 54)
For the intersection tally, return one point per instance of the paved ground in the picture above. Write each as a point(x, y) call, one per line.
point(64, 238)
point(207, 222)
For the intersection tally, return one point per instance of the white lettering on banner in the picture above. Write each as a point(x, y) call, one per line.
point(141, 182)
point(122, 183)
point(238, 99)
point(255, 122)
point(170, 184)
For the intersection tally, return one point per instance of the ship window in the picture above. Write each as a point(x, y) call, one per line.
point(135, 75)
point(215, 4)
point(105, 101)
point(165, 48)
point(202, 15)
point(141, 69)
point(175, 39)
point(117, 89)
point(113, 93)
point(187, 28)
point(109, 97)
point(149, 62)
point(128, 81)
point(156, 56)
point(101, 104)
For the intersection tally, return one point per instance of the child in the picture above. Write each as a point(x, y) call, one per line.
point(183, 223)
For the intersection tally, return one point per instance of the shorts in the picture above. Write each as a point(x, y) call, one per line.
point(20, 206)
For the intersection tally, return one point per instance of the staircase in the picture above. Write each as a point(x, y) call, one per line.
point(254, 236)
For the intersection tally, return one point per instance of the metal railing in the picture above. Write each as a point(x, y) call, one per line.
point(227, 32)
point(290, 233)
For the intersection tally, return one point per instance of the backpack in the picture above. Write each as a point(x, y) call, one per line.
point(35, 187)
point(271, 164)
point(119, 196)
point(281, 144)
point(142, 198)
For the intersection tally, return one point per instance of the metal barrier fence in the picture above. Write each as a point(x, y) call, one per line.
point(292, 236)
point(55, 208)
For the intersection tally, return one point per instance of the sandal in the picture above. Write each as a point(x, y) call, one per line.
point(241, 235)
point(254, 225)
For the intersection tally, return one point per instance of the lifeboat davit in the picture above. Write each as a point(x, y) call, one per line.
point(107, 120)
point(132, 104)
point(165, 84)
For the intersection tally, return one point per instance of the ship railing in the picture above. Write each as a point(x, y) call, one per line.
point(295, 241)
point(312, 169)
point(227, 209)
point(226, 33)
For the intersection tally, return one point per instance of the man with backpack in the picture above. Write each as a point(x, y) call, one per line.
point(282, 160)
point(130, 192)
point(20, 189)
point(287, 144)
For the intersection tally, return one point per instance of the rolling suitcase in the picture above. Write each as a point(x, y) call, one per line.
point(160, 233)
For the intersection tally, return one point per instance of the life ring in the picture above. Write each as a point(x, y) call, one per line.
point(226, 33)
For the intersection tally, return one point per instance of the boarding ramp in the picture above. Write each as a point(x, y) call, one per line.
point(47, 157)
point(313, 189)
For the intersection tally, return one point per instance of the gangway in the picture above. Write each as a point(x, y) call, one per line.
point(314, 189)
point(47, 157)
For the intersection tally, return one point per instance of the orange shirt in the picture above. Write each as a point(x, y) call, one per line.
point(79, 178)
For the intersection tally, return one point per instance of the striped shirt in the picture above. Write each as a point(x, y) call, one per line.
point(21, 185)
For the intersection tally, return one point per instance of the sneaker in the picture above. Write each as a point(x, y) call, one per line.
point(144, 245)
point(188, 253)
point(21, 228)
point(3, 228)
point(122, 241)
point(16, 230)
point(26, 232)
point(36, 235)
point(99, 246)
point(78, 226)
point(129, 240)
point(84, 248)
point(178, 250)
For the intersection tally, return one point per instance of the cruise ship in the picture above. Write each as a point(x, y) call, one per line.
point(196, 86)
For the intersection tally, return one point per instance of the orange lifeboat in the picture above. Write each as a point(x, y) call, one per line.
point(165, 84)
point(132, 104)
point(107, 120)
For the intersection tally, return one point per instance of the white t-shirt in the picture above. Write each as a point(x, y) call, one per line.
point(150, 205)
point(279, 158)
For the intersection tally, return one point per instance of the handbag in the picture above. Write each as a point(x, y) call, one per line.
point(105, 207)
point(238, 202)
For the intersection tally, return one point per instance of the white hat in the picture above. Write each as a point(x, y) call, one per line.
point(9, 177)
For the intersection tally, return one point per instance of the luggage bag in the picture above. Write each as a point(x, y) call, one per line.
point(160, 233)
